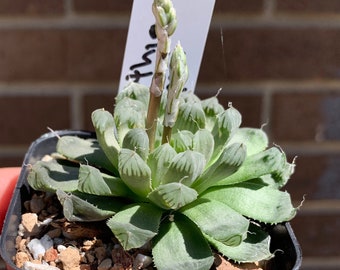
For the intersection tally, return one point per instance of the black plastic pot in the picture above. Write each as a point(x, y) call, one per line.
point(284, 243)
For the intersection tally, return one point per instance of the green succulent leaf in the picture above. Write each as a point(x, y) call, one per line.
point(134, 172)
point(203, 142)
point(182, 140)
point(186, 244)
point(92, 181)
point(159, 160)
point(51, 176)
point(225, 126)
point(104, 126)
point(172, 195)
point(266, 162)
point(279, 178)
point(84, 151)
point(129, 114)
point(218, 220)
point(283, 174)
point(189, 97)
point(135, 225)
point(86, 207)
point(185, 167)
point(255, 139)
point(255, 201)
point(228, 163)
point(211, 108)
point(190, 117)
point(137, 140)
point(253, 249)
point(134, 91)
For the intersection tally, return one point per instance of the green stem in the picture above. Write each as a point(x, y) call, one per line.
point(166, 134)
point(151, 120)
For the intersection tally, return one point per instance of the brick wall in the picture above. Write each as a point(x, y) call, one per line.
point(279, 63)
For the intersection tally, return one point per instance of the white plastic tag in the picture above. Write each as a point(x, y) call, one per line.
point(193, 18)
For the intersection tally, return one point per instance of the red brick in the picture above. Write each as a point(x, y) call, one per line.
point(96, 101)
point(315, 177)
point(318, 234)
point(268, 53)
point(236, 6)
point(305, 116)
point(61, 55)
point(31, 8)
point(109, 6)
point(103, 6)
point(95, 55)
point(32, 55)
point(24, 119)
point(308, 6)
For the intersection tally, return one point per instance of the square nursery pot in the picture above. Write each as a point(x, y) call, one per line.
point(287, 250)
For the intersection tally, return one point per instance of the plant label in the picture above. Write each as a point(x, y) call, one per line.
point(193, 18)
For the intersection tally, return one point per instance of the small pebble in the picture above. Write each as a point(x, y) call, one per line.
point(85, 267)
point(37, 204)
point(54, 234)
point(105, 264)
point(141, 261)
point(46, 241)
point(90, 258)
point(51, 255)
point(36, 266)
point(36, 248)
point(30, 224)
point(100, 253)
point(70, 258)
point(60, 248)
point(20, 258)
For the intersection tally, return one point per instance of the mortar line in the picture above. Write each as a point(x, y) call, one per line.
point(269, 7)
point(226, 21)
point(314, 262)
point(54, 89)
point(246, 88)
point(277, 21)
point(66, 22)
point(266, 111)
point(68, 6)
point(256, 87)
point(76, 111)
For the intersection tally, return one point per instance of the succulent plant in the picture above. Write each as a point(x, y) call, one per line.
point(198, 182)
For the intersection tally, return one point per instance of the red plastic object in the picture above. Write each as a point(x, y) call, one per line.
point(8, 180)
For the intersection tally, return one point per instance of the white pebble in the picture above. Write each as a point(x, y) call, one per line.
point(36, 248)
point(21, 230)
point(60, 248)
point(47, 221)
point(36, 266)
point(39, 246)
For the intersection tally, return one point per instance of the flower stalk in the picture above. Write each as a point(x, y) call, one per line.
point(178, 77)
point(165, 26)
